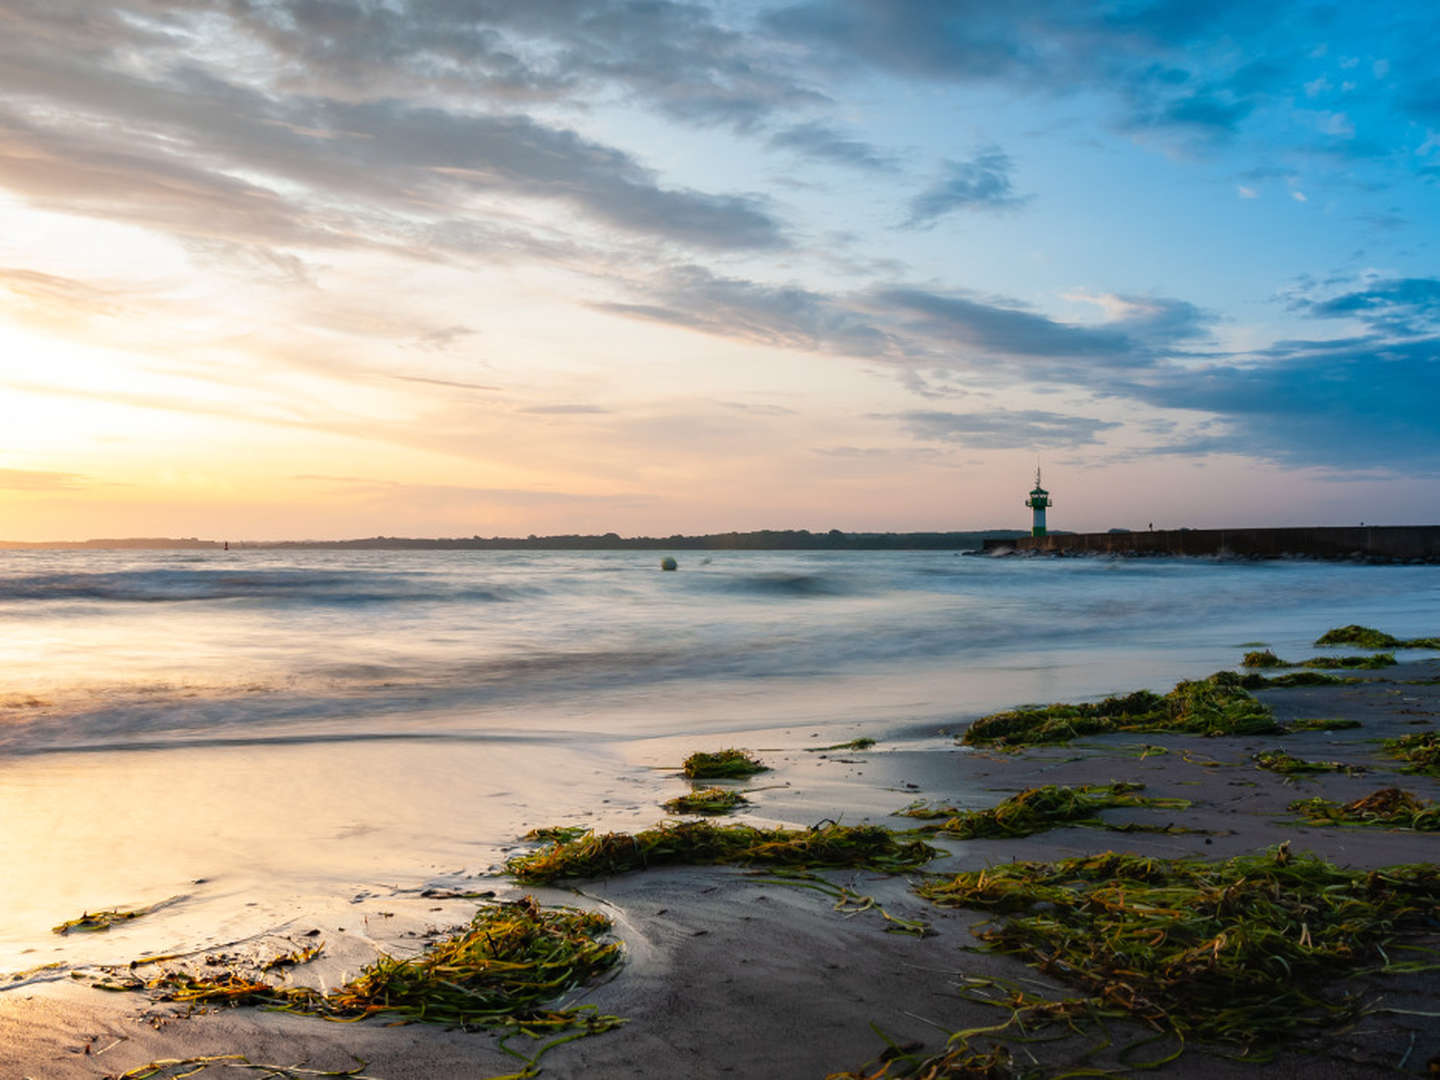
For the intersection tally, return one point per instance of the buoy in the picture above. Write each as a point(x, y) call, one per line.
point(668, 563)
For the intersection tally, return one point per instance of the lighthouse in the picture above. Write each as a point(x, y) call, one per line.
point(1039, 499)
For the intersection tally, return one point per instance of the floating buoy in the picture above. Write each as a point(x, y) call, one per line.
point(668, 563)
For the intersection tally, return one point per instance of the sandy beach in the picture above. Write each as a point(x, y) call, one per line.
point(733, 973)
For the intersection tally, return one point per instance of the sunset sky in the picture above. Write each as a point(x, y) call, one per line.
point(332, 268)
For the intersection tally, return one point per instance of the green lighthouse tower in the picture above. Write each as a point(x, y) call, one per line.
point(1039, 499)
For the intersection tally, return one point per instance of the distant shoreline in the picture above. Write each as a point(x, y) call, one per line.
point(760, 540)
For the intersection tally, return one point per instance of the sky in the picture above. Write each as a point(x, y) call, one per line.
point(283, 269)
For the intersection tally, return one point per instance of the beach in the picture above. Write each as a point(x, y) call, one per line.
point(252, 829)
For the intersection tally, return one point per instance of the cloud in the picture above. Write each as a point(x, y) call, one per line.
point(826, 144)
point(564, 410)
point(1003, 429)
point(439, 495)
point(1141, 55)
point(1396, 306)
point(759, 313)
point(758, 409)
point(202, 154)
point(1357, 402)
point(982, 183)
point(39, 480)
point(1348, 404)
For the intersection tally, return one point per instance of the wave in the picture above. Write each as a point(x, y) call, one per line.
point(781, 584)
point(282, 586)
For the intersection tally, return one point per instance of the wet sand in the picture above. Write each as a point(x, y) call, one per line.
point(730, 974)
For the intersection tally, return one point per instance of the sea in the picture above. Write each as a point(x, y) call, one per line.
point(267, 733)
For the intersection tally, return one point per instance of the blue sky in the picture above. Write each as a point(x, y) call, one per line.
point(337, 267)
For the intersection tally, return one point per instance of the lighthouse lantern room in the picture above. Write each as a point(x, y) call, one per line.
point(1039, 499)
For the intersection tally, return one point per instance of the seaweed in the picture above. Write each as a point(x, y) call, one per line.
point(1278, 761)
point(847, 901)
point(91, 922)
point(1389, 808)
point(502, 972)
point(1268, 659)
point(711, 800)
point(1366, 637)
point(1263, 659)
point(1254, 681)
point(954, 1063)
point(701, 843)
point(1245, 951)
point(1218, 705)
point(1371, 662)
point(926, 810)
point(721, 765)
point(862, 743)
point(179, 1068)
point(557, 832)
point(1420, 752)
point(1040, 808)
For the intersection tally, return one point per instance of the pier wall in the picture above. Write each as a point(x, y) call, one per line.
point(1389, 542)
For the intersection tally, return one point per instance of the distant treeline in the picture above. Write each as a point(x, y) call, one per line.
point(762, 540)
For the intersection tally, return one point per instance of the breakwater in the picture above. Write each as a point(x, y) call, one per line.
point(1387, 543)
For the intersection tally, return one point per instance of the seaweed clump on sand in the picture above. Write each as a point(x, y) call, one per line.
point(1255, 681)
point(711, 800)
point(1420, 752)
point(701, 843)
point(1268, 659)
point(957, 1063)
point(1389, 808)
point(1218, 705)
point(1262, 659)
point(1245, 951)
point(503, 971)
point(1278, 761)
point(91, 922)
point(179, 1068)
point(721, 765)
point(864, 742)
point(1367, 637)
point(1040, 808)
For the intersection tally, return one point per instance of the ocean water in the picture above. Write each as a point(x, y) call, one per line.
point(288, 726)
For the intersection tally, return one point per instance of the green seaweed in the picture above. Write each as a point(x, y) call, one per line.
point(1218, 705)
point(92, 922)
point(1278, 761)
point(557, 832)
point(960, 1062)
point(179, 1068)
point(1389, 808)
point(1366, 637)
point(721, 765)
point(1371, 662)
point(1253, 681)
point(1264, 659)
point(1245, 951)
point(1040, 808)
point(1268, 659)
point(1420, 752)
point(502, 972)
point(926, 810)
point(862, 743)
point(711, 800)
point(701, 843)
